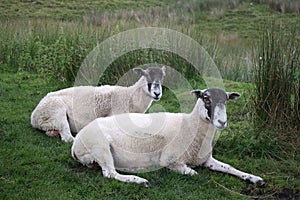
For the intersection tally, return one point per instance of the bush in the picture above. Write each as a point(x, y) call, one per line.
point(277, 100)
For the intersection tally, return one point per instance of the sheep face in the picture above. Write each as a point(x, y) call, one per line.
point(214, 105)
point(154, 77)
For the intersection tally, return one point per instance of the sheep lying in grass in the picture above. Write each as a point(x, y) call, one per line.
point(63, 111)
point(134, 142)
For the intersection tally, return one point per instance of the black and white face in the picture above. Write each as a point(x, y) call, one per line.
point(214, 101)
point(154, 77)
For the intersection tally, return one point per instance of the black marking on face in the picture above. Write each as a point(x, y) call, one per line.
point(149, 87)
point(206, 99)
point(213, 97)
point(207, 104)
point(154, 76)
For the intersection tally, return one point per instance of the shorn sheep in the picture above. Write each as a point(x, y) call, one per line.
point(69, 110)
point(178, 141)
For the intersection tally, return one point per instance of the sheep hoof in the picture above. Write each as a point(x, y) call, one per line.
point(93, 165)
point(146, 184)
point(261, 183)
point(69, 139)
point(53, 133)
point(193, 173)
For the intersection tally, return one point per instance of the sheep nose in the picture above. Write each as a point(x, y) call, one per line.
point(222, 123)
point(156, 94)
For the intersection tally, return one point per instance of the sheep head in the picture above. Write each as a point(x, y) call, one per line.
point(213, 105)
point(154, 77)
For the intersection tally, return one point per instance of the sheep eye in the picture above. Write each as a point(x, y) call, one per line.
point(206, 99)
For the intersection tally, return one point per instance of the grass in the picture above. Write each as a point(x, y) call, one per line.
point(42, 52)
point(58, 46)
point(37, 164)
point(67, 9)
point(276, 77)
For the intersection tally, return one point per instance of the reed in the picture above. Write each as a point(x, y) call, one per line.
point(277, 100)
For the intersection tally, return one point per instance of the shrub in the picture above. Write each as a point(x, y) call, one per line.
point(277, 100)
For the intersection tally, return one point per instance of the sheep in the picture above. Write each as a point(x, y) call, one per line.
point(69, 110)
point(136, 142)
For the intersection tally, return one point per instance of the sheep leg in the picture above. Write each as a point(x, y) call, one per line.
point(111, 173)
point(104, 158)
point(182, 169)
point(51, 116)
point(65, 132)
point(216, 165)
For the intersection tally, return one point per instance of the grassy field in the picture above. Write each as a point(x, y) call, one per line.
point(44, 42)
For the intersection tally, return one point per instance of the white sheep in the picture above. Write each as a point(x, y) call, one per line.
point(69, 110)
point(134, 141)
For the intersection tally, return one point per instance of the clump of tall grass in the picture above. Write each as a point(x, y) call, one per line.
point(57, 48)
point(277, 100)
point(51, 47)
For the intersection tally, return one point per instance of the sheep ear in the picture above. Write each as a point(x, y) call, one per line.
point(140, 71)
point(197, 93)
point(233, 95)
point(163, 70)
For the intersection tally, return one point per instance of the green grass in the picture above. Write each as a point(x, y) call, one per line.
point(43, 44)
point(67, 9)
point(42, 167)
point(59, 45)
point(276, 77)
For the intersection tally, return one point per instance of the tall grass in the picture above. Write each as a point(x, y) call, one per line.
point(277, 101)
point(51, 47)
point(57, 48)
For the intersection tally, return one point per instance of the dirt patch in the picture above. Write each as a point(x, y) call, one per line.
point(287, 193)
point(271, 193)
